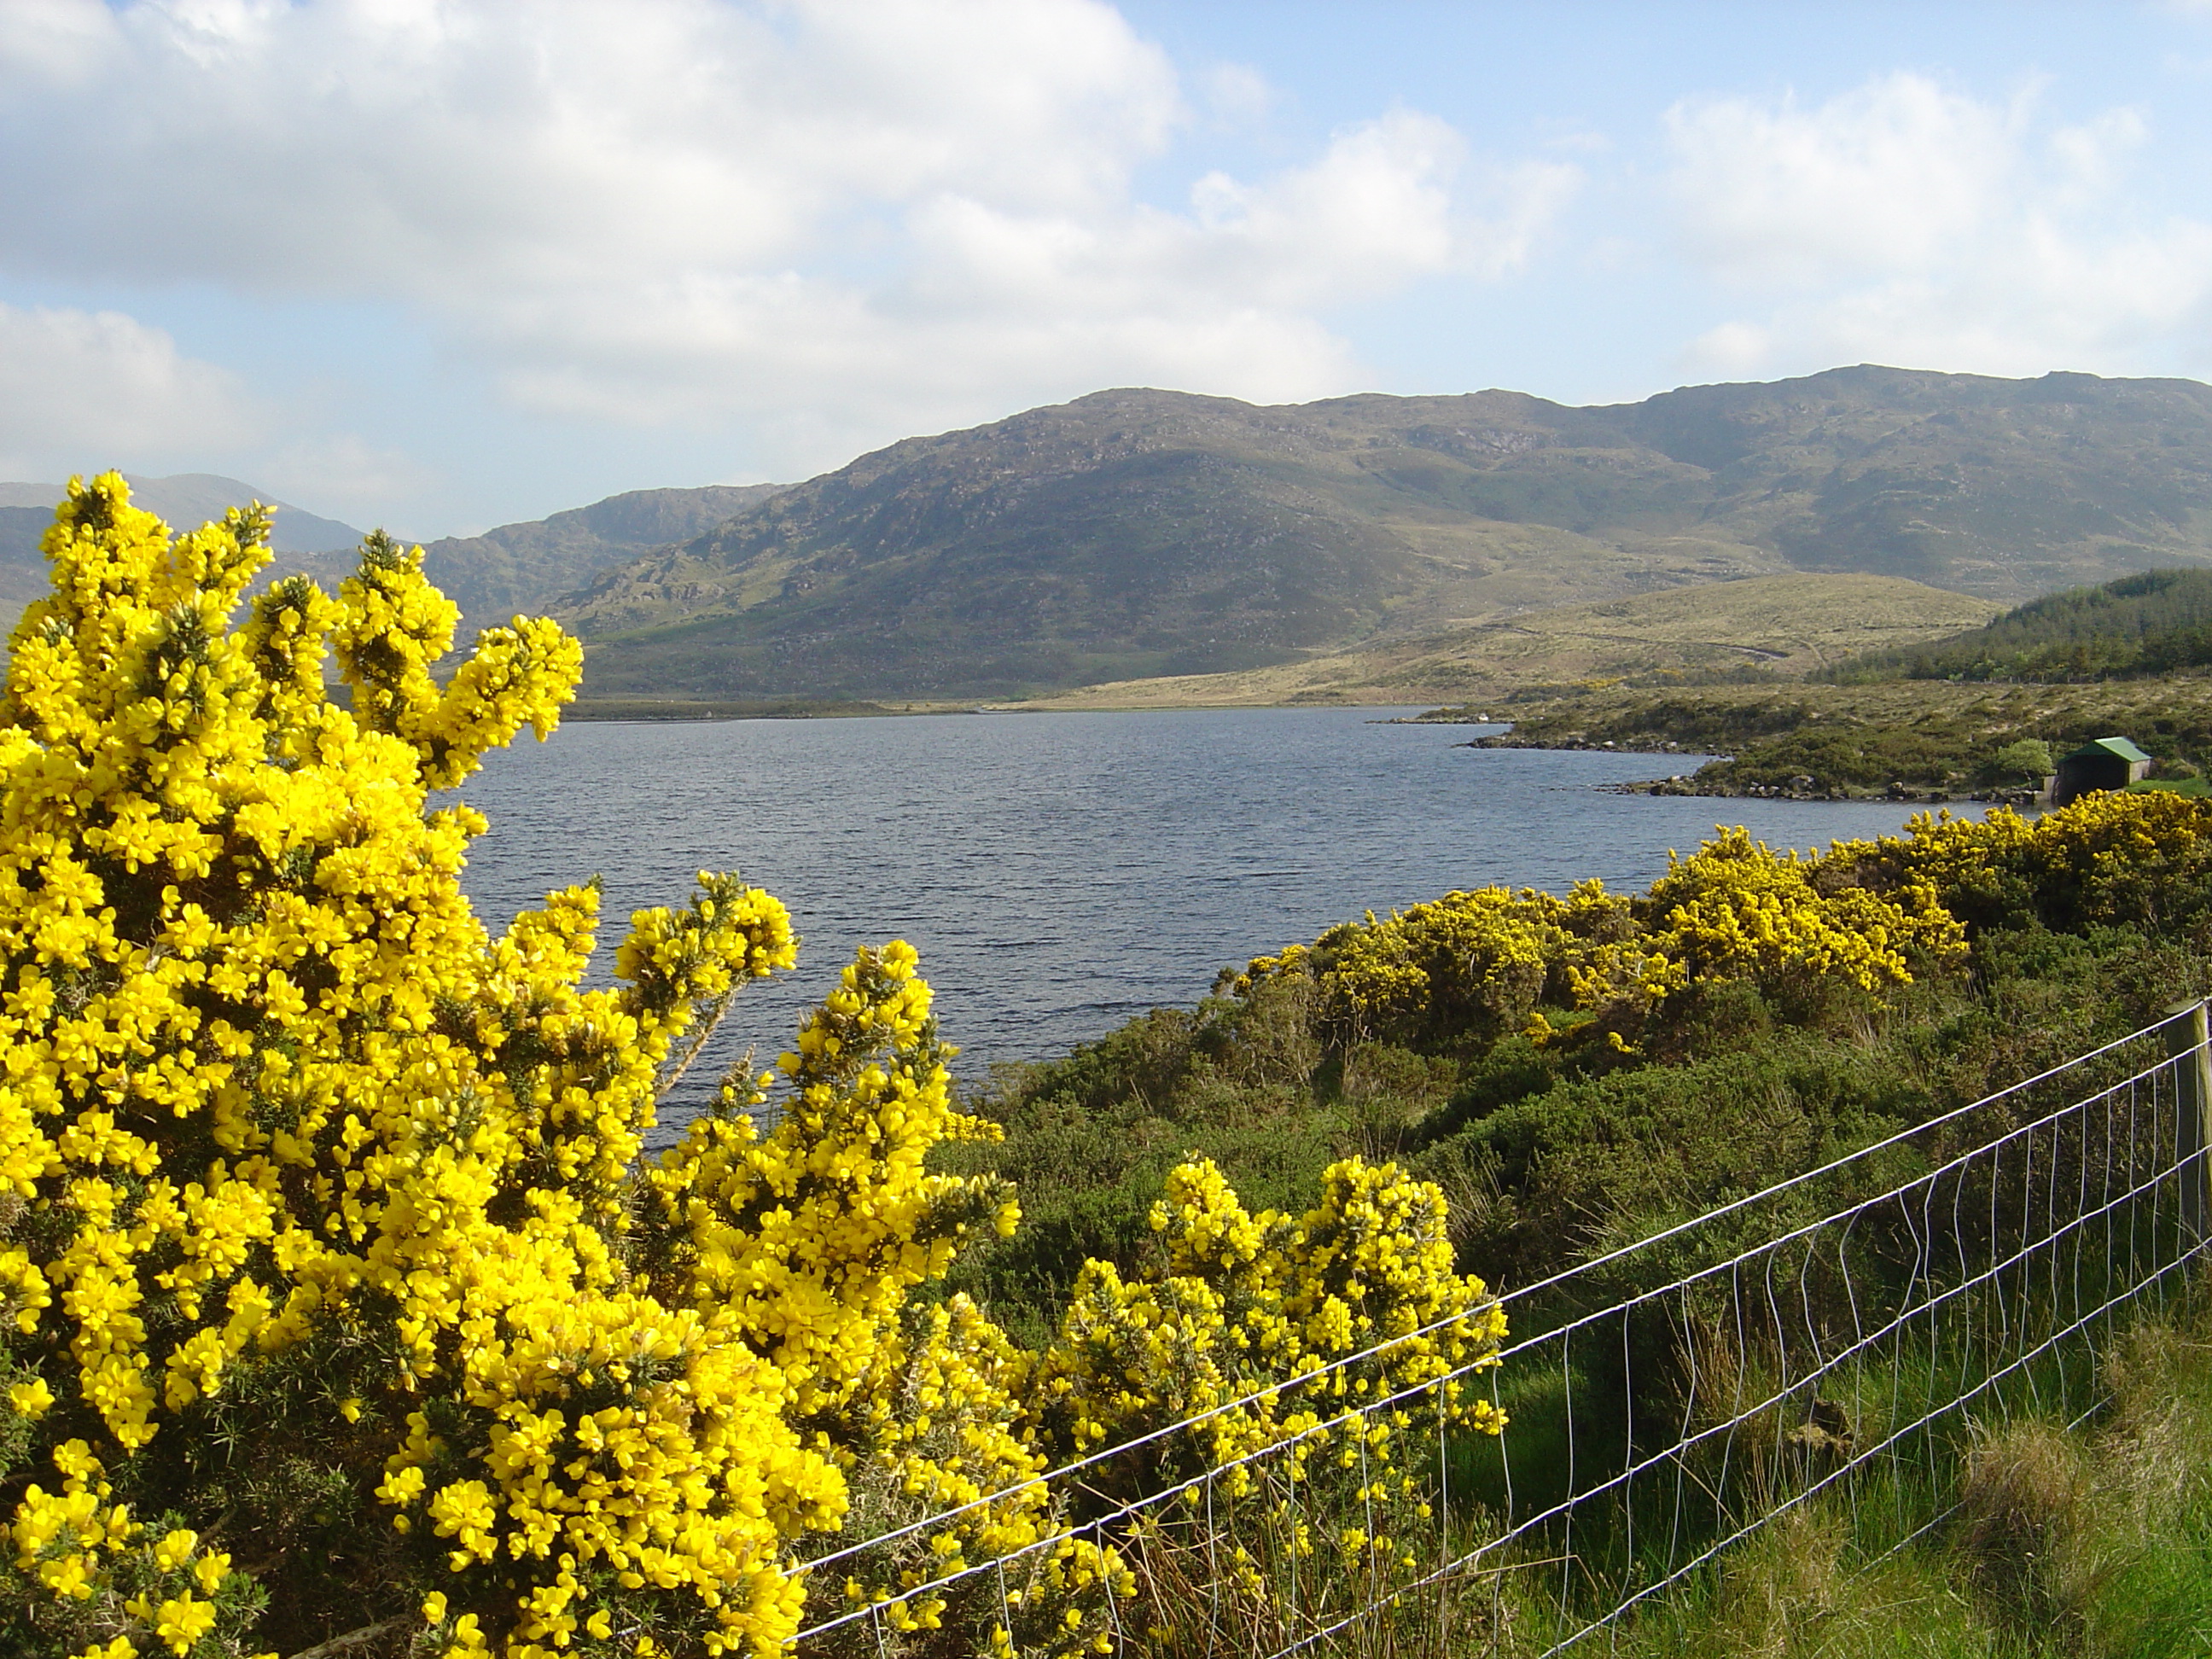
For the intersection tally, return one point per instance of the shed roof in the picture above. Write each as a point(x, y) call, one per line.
point(2118, 747)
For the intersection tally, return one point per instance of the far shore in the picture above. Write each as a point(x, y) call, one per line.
point(771, 708)
point(759, 708)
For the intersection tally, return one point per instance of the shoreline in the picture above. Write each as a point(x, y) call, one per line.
point(1932, 743)
point(1686, 784)
point(1901, 795)
point(660, 711)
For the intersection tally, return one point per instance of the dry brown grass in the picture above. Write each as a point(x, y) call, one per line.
point(2018, 1512)
point(1792, 624)
point(2152, 1456)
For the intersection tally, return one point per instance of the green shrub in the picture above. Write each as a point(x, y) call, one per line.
point(2025, 761)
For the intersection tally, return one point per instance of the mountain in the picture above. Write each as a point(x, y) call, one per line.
point(524, 567)
point(514, 568)
point(1135, 532)
point(186, 501)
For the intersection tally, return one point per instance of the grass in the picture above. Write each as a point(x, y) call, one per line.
point(2021, 1534)
point(1819, 1578)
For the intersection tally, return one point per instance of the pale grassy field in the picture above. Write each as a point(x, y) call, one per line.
point(1792, 624)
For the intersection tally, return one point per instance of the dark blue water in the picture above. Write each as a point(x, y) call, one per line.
point(1060, 873)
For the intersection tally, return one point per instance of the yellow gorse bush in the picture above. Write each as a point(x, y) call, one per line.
point(1735, 910)
point(1275, 1371)
point(2111, 858)
point(269, 1087)
point(330, 1274)
point(1473, 965)
point(1268, 1326)
point(1867, 915)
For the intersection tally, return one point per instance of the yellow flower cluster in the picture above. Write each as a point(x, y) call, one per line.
point(1316, 1360)
point(808, 1240)
point(82, 1548)
point(268, 1085)
point(1473, 966)
point(294, 1157)
point(2110, 857)
point(939, 1443)
point(1734, 910)
point(1353, 1303)
point(60, 1537)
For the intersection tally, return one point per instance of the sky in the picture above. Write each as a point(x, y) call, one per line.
point(441, 264)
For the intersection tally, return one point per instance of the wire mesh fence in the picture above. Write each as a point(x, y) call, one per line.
point(1831, 1335)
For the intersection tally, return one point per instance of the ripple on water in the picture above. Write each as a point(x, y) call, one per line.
point(1060, 873)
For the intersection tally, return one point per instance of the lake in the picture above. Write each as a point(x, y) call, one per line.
point(1061, 873)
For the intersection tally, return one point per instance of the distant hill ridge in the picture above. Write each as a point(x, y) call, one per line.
point(1138, 532)
point(185, 499)
point(515, 568)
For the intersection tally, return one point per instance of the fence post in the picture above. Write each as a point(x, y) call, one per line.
point(2186, 1045)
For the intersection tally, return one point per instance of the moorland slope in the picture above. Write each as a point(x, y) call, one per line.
point(1768, 626)
point(526, 566)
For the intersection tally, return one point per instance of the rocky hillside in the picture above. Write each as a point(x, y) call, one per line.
point(525, 567)
point(1136, 533)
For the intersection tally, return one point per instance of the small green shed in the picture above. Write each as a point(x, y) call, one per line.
point(2107, 763)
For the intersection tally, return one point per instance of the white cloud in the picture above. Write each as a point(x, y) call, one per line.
point(1381, 204)
point(1904, 222)
point(1882, 178)
point(875, 211)
point(79, 384)
point(60, 41)
point(997, 306)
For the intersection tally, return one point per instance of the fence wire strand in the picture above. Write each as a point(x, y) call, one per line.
point(1670, 1398)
